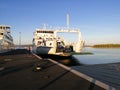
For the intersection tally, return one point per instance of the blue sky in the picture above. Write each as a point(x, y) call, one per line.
point(98, 20)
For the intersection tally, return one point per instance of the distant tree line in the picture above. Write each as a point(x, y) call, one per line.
point(106, 46)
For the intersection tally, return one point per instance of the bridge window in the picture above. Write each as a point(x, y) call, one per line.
point(3, 27)
point(45, 32)
point(7, 27)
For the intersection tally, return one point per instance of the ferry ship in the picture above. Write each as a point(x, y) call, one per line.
point(6, 40)
point(46, 41)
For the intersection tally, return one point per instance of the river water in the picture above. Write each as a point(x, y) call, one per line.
point(99, 56)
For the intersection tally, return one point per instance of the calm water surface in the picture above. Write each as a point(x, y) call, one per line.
point(100, 56)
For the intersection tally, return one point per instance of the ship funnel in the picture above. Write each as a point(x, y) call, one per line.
point(67, 21)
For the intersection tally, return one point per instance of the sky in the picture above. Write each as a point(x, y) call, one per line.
point(98, 20)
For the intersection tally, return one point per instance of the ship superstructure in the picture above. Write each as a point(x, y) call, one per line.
point(44, 42)
point(6, 40)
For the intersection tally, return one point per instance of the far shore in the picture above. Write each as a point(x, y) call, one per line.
point(104, 46)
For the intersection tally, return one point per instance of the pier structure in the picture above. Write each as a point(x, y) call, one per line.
point(77, 46)
point(21, 70)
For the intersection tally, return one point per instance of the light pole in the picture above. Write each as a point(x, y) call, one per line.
point(19, 40)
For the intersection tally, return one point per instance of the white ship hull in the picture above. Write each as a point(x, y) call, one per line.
point(44, 50)
point(5, 48)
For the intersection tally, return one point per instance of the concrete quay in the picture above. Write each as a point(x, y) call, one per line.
point(21, 70)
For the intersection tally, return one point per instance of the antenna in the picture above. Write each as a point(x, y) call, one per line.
point(67, 22)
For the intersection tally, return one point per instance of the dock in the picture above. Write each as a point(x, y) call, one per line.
point(22, 70)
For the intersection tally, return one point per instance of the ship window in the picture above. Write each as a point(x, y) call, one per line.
point(39, 42)
point(40, 38)
point(38, 31)
point(45, 32)
point(50, 44)
point(3, 27)
point(7, 27)
point(1, 33)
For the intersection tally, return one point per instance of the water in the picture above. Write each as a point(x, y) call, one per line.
point(100, 56)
